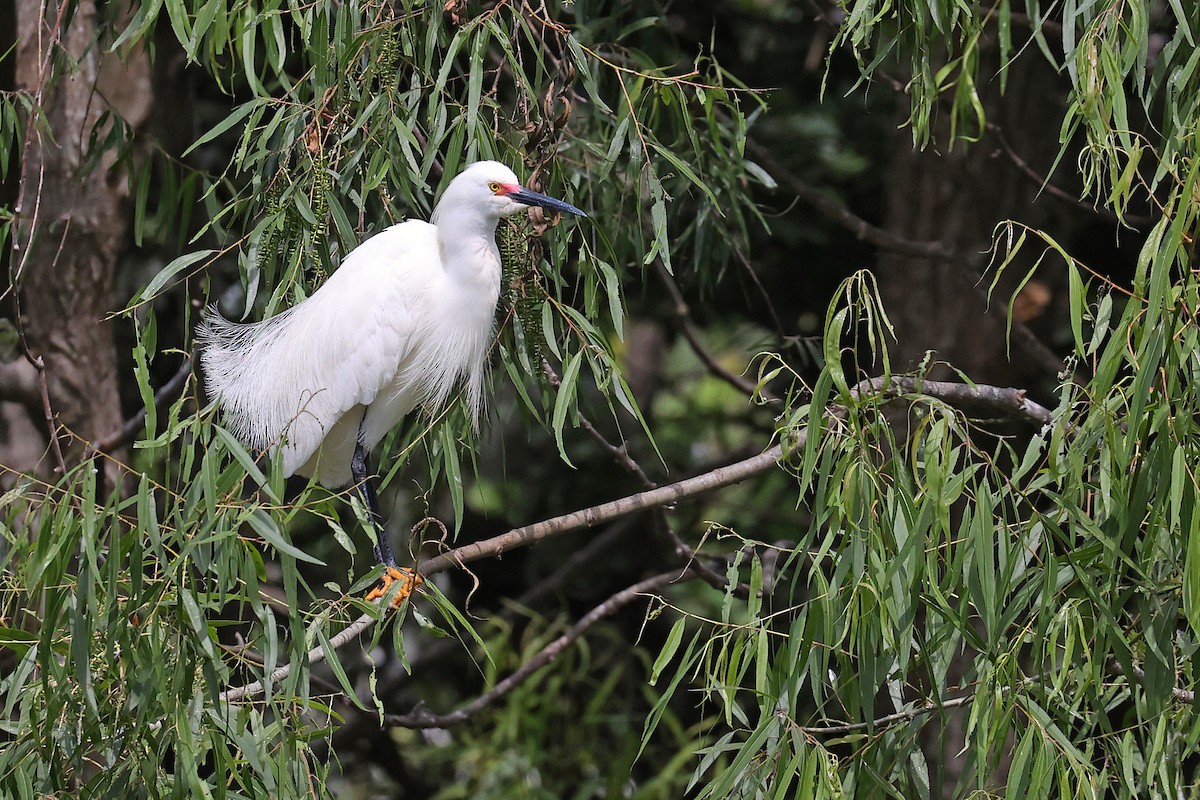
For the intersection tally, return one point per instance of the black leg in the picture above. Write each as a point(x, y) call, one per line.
point(366, 487)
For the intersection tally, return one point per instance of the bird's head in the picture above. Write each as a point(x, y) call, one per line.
point(493, 189)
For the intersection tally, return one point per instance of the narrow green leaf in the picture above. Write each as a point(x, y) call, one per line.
point(565, 400)
point(243, 457)
point(234, 117)
point(674, 638)
point(168, 273)
point(266, 527)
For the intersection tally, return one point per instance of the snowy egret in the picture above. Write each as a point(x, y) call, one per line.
point(404, 320)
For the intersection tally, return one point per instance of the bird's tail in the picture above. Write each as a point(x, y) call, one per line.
point(230, 358)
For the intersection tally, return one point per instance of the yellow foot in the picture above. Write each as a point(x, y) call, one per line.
point(409, 581)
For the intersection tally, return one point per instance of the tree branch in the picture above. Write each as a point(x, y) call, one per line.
point(884, 722)
point(1009, 400)
point(590, 517)
point(529, 534)
point(423, 719)
point(436, 651)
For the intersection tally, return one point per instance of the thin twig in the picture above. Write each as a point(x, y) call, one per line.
point(911, 713)
point(423, 719)
point(837, 211)
point(620, 454)
point(695, 562)
point(134, 425)
point(883, 722)
point(688, 328)
point(583, 558)
point(34, 134)
point(1180, 695)
point(1046, 25)
point(744, 260)
point(48, 411)
point(315, 656)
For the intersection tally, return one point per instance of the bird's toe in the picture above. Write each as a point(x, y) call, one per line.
point(408, 579)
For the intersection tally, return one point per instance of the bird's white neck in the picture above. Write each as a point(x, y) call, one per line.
point(468, 243)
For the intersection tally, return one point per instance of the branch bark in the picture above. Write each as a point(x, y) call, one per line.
point(998, 398)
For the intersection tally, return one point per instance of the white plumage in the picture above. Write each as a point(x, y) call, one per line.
point(406, 317)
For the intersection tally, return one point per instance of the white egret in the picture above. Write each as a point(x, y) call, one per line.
point(404, 320)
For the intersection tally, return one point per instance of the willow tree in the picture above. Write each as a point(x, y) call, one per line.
point(883, 562)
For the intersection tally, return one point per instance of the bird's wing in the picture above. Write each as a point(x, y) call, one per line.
point(289, 379)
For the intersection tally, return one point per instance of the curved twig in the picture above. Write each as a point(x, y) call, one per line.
point(834, 209)
point(688, 329)
point(620, 453)
point(423, 719)
point(1136, 221)
point(837, 211)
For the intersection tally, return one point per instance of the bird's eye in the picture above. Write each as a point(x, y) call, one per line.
point(495, 187)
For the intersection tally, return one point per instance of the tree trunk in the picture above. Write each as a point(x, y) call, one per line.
point(957, 198)
point(72, 223)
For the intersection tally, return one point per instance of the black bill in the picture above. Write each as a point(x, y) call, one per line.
point(532, 198)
